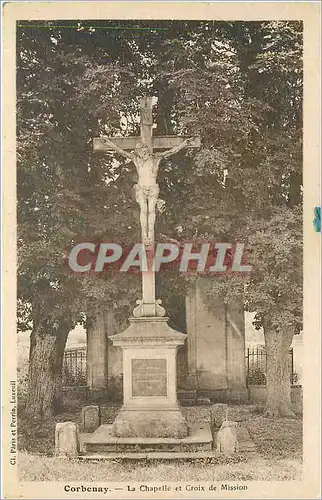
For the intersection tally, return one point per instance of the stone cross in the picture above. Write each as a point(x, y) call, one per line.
point(147, 163)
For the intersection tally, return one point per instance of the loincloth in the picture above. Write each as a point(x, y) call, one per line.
point(148, 192)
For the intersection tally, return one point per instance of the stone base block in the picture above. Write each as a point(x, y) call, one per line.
point(67, 439)
point(245, 442)
point(152, 455)
point(103, 441)
point(227, 441)
point(150, 424)
point(90, 418)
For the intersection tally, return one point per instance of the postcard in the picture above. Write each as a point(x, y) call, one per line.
point(161, 250)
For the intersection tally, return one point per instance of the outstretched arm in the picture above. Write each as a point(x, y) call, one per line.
point(111, 144)
point(175, 149)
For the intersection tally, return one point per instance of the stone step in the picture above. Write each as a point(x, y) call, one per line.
point(103, 441)
point(161, 455)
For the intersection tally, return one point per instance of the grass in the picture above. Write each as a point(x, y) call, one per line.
point(279, 443)
point(277, 439)
point(33, 468)
point(280, 438)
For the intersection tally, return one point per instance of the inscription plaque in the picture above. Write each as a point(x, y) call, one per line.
point(149, 377)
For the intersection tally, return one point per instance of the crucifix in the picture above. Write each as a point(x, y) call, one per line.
point(140, 150)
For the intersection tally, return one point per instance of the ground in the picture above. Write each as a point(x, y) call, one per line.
point(53, 469)
point(278, 443)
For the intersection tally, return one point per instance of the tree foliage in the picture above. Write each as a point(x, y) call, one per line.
point(236, 84)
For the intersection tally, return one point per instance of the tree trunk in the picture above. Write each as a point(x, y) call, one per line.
point(45, 366)
point(278, 402)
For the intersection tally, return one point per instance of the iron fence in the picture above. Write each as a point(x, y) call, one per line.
point(74, 367)
point(256, 366)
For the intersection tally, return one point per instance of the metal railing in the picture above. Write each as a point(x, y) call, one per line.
point(256, 366)
point(74, 367)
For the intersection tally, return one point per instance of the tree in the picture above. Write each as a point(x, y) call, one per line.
point(238, 85)
point(250, 120)
point(275, 291)
point(58, 89)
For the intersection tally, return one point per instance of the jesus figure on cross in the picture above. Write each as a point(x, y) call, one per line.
point(147, 189)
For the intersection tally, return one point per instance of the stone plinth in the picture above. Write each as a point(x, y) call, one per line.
point(90, 418)
point(150, 423)
point(66, 439)
point(227, 441)
point(104, 441)
point(150, 406)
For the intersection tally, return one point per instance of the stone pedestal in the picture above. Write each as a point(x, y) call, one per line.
point(150, 406)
